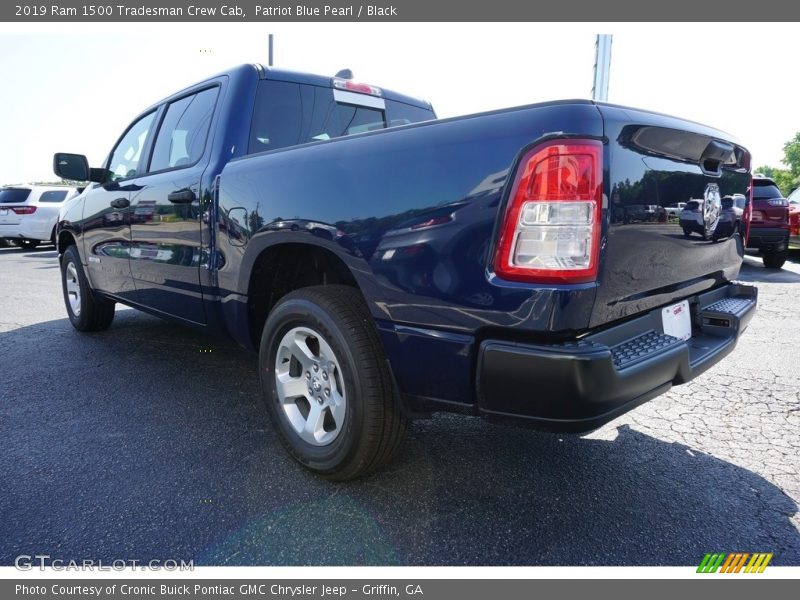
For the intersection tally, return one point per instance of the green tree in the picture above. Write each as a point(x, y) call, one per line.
point(782, 177)
point(791, 158)
point(786, 179)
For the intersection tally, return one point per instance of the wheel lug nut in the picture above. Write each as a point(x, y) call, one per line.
point(316, 368)
point(319, 399)
point(308, 375)
point(325, 375)
point(310, 391)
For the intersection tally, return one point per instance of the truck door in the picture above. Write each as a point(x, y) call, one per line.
point(166, 249)
point(107, 213)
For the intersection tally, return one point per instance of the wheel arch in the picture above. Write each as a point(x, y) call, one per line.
point(65, 238)
point(269, 271)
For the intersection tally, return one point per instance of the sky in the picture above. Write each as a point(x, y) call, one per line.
point(75, 87)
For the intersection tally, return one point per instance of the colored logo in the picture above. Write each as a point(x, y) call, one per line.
point(735, 562)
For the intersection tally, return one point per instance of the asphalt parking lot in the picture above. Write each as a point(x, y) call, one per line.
point(149, 441)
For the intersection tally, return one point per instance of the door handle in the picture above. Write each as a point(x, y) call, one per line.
point(120, 203)
point(184, 196)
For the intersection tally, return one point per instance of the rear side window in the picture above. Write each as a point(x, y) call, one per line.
point(727, 203)
point(182, 136)
point(14, 195)
point(53, 196)
point(691, 205)
point(288, 114)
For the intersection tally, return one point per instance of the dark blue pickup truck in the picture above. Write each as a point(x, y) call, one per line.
point(387, 265)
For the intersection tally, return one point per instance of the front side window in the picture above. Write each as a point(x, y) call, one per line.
point(125, 158)
point(182, 136)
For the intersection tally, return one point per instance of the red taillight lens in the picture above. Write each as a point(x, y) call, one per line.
point(23, 210)
point(551, 229)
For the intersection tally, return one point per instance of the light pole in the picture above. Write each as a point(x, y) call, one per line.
point(602, 67)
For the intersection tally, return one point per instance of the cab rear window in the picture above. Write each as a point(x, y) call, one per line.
point(289, 114)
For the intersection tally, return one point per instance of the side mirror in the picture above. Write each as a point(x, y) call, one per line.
point(71, 166)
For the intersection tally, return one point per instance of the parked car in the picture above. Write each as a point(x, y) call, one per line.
point(28, 213)
point(479, 269)
point(730, 217)
point(769, 222)
point(641, 213)
point(691, 218)
point(794, 219)
point(674, 209)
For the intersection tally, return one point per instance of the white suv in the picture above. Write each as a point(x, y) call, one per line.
point(28, 213)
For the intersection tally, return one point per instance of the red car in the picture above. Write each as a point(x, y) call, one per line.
point(769, 222)
point(794, 219)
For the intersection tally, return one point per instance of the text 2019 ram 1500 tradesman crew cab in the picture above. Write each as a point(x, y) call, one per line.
point(387, 265)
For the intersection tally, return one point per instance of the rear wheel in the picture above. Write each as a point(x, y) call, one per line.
point(327, 384)
point(774, 260)
point(86, 312)
point(687, 232)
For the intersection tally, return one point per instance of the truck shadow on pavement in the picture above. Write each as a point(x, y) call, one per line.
point(150, 441)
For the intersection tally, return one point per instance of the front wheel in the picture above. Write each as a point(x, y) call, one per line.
point(86, 312)
point(774, 260)
point(327, 385)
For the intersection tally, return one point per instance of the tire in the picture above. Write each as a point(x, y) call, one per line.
point(85, 310)
point(28, 244)
point(687, 232)
point(774, 260)
point(323, 338)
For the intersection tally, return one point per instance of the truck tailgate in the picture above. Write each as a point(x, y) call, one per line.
point(654, 161)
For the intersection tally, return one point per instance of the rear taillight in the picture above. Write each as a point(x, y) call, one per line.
point(23, 210)
point(551, 229)
point(778, 202)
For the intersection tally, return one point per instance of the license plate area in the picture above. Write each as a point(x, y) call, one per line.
point(676, 320)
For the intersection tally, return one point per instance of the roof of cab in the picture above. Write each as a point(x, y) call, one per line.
point(291, 76)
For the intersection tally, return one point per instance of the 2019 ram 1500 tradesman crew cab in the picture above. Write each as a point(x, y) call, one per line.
point(386, 265)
